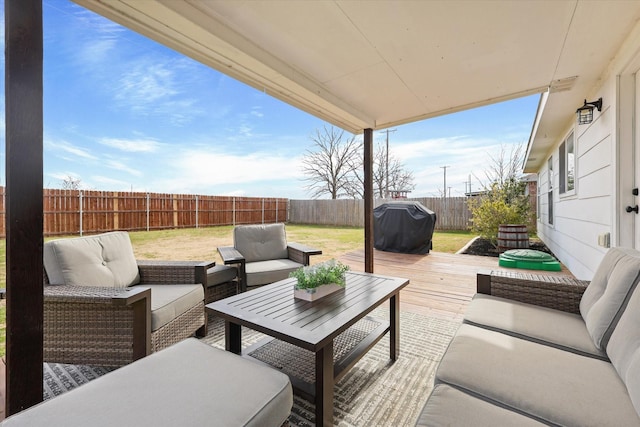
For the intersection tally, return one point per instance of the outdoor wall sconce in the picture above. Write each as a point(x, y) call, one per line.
point(585, 113)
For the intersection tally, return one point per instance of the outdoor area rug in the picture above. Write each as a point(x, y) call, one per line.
point(374, 392)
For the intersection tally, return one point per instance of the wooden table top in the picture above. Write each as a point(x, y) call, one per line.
point(273, 310)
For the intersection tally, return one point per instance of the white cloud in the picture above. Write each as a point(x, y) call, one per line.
point(464, 156)
point(156, 86)
point(64, 147)
point(114, 164)
point(132, 145)
point(207, 169)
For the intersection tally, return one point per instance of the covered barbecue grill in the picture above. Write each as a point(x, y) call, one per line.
point(405, 227)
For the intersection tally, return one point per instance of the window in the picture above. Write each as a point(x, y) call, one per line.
point(567, 165)
point(550, 191)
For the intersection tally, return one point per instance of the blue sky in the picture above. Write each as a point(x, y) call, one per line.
point(123, 113)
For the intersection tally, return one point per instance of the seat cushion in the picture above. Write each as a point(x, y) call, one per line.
point(188, 384)
point(263, 272)
point(556, 328)
point(101, 260)
point(170, 301)
point(624, 346)
point(601, 315)
point(220, 274)
point(448, 406)
point(544, 382)
point(261, 242)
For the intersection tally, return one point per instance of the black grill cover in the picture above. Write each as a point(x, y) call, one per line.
point(405, 227)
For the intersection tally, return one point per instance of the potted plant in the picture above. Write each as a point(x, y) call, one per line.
point(319, 280)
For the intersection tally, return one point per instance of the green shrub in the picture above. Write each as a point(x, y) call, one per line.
point(502, 204)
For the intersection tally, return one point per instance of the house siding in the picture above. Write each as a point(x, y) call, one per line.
point(592, 210)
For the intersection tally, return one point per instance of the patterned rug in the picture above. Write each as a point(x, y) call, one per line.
point(375, 392)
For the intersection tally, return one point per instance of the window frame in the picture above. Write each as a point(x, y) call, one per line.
point(568, 166)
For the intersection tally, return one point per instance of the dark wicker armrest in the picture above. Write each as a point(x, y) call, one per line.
point(94, 294)
point(300, 253)
point(558, 292)
point(231, 255)
point(89, 325)
point(173, 272)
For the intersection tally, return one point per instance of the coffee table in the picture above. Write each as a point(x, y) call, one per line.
point(315, 326)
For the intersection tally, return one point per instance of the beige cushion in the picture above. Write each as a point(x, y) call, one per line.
point(261, 242)
point(188, 384)
point(556, 328)
point(220, 274)
point(450, 407)
point(264, 272)
point(557, 386)
point(624, 346)
point(600, 279)
point(101, 260)
point(170, 301)
point(601, 316)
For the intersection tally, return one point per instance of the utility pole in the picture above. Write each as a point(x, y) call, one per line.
point(444, 188)
point(444, 192)
point(386, 195)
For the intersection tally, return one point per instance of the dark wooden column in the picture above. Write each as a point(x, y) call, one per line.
point(23, 116)
point(368, 200)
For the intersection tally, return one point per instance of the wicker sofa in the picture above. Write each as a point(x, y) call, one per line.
point(262, 254)
point(104, 308)
point(566, 353)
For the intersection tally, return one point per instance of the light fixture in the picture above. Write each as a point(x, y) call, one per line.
point(585, 113)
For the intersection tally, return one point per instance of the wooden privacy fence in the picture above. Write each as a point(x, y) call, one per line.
point(68, 212)
point(452, 213)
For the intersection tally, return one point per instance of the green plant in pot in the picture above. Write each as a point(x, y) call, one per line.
point(330, 275)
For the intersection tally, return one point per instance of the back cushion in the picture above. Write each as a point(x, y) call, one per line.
point(624, 347)
point(605, 295)
point(261, 242)
point(101, 260)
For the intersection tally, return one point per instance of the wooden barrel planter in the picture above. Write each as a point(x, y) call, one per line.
point(512, 236)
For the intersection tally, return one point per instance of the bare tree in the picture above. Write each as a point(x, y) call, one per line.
point(399, 178)
point(329, 168)
point(506, 166)
point(71, 183)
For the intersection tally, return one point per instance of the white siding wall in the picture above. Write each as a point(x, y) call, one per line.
point(579, 218)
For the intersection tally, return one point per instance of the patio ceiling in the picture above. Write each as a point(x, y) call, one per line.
point(377, 64)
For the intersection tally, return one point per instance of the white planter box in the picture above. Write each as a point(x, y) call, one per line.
point(316, 293)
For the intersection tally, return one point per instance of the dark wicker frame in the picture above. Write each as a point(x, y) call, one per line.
point(558, 292)
point(231, 256)
point(112, 326)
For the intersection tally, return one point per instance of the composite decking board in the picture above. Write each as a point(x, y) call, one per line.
point(441, 284)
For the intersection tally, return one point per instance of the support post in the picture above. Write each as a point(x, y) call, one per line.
point(368, 200)
point(24, 208)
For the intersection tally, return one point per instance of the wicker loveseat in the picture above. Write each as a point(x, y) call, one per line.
point(567, 353)
point(262, 254)
point(104, 308)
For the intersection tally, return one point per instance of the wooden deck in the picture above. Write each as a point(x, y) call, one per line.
point(441, 284)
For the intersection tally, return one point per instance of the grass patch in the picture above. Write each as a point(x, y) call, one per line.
point(202, 243)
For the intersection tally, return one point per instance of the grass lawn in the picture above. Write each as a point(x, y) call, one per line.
point(201, 244)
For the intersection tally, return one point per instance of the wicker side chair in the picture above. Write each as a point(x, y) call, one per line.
point(110, 319)
point(559, 292)
point(262, 254)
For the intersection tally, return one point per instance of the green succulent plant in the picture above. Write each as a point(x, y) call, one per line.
point(310, 277)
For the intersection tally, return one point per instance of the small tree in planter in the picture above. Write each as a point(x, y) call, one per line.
point(504, 203)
